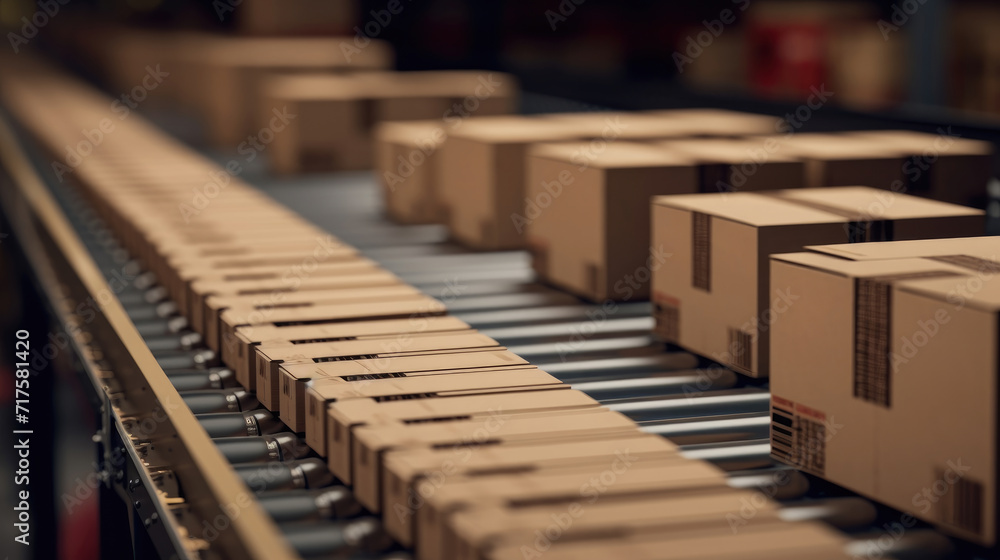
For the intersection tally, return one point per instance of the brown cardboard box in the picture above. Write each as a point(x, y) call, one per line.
point(232, 74)
point(564, 485)
point(472, 534)
point(406, 163)
point(940, 166)
point(587, 219)
point(367, 370)
point(483, 174)
point(713, 296)
point(269, 359)
point(740, 164)
point(245, 364)
point(765, 541)
point(343, 417)
point(232, 346)
point(371, 442)
point(834, 160)
point(884, 375)
point(410, 473)
point(335, 115)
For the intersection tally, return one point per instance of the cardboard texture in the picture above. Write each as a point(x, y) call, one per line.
point(245, 364)
point(588, 221)
point(406, 164)
point(336, 116)
point(408, 473)
point(233, 75)
point(566, 485)
point(940, 166)
point(472, 534)
point(483, 174)
point(373, 369)
point(345, 416)
point(765, 541)
point(233, 347)
point(713, 295)
point(269, 359)
point(371, 442)
point(857, 390)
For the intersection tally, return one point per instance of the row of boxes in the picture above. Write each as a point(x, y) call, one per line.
point(433, 424)
point(574, 189)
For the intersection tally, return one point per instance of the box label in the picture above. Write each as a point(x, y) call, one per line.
point(798, 435)
point(701, 251)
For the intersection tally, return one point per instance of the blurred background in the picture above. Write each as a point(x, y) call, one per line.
point(908, 55)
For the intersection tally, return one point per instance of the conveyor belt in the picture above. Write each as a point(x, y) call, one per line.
point(718, 417)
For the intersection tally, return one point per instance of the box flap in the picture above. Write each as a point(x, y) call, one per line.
point(986, 247)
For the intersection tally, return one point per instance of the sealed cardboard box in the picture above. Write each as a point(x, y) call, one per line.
point(765, 541)
point(269, 359)
point(940, 166)
point(563, 485)
point(713, 296)
point(407, 473)
point(232, 73)
point(883, 375)
point(347, 415)
point(245, 364)
point(587, 221)
point(406, 163)
point(483, 175)
point(843, 159)
point(472, 534)
point(336, 115)
point(233, 347)
point(369, 369)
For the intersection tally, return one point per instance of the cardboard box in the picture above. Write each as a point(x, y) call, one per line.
point(884, 375)
point(835, 160)
point(565, 485)
point(713, 296)
point(410, 473)
point(483, 174)
point(587, 224)
point(765, 541)
point(474, 533)
point(270, 359)
point(232, 346)
point(343, 417)
point(740, 164)
point(441, 363)
point(940, 166)
point(232, 74)
point(406, 163)
point(336, 115)
point(244, 361)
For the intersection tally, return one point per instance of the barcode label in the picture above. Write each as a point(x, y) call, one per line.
point(668, 321)
point(873, 334)
point(740, 350)
point(962, 507)
point(701, 251)
point(345, 358)
point(798, 440)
